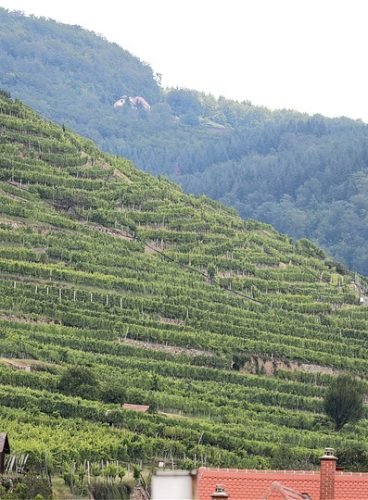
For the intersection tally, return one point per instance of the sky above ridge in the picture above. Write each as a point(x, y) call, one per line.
point(308, 55)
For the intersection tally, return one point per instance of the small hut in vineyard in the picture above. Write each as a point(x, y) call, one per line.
point(4, 450)
point(140, 408)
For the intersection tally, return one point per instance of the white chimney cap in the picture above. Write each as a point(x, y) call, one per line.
point(329, 453)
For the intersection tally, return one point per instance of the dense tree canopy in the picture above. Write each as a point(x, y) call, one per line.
point(343, 401)
point(79, 381)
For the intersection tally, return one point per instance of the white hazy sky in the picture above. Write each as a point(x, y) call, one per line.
point(309, 55)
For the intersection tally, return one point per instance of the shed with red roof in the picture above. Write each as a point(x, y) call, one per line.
point(141, 408)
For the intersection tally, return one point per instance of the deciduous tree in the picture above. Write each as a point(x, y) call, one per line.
point(344, 401)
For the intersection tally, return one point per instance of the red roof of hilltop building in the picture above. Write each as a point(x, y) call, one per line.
point(326, 484)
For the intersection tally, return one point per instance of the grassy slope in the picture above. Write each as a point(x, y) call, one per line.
point(105, 266)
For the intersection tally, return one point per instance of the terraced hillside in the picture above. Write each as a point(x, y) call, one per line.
point(228, 329)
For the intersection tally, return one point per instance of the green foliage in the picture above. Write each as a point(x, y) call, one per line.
point(304, 174)
point(105, 491)
point(116, 286)
point(29, 487)
point(184, 101)
point(79, 381)
point(353, 458)
point(343, 401)
point(113, 393)
point(285, 458)
point(136, 472)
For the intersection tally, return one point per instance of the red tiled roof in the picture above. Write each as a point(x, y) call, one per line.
point(351, 486)
point(142, 408)
point(257, 484)
point(278, 490)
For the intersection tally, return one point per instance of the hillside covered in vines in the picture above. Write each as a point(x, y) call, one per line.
point(305, 175)
point(229, 330)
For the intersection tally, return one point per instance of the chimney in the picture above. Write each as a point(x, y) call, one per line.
point(219, 493)
point(327, 475)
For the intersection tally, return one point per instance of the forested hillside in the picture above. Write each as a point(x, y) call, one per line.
point(228, 329)
point(308, 176)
